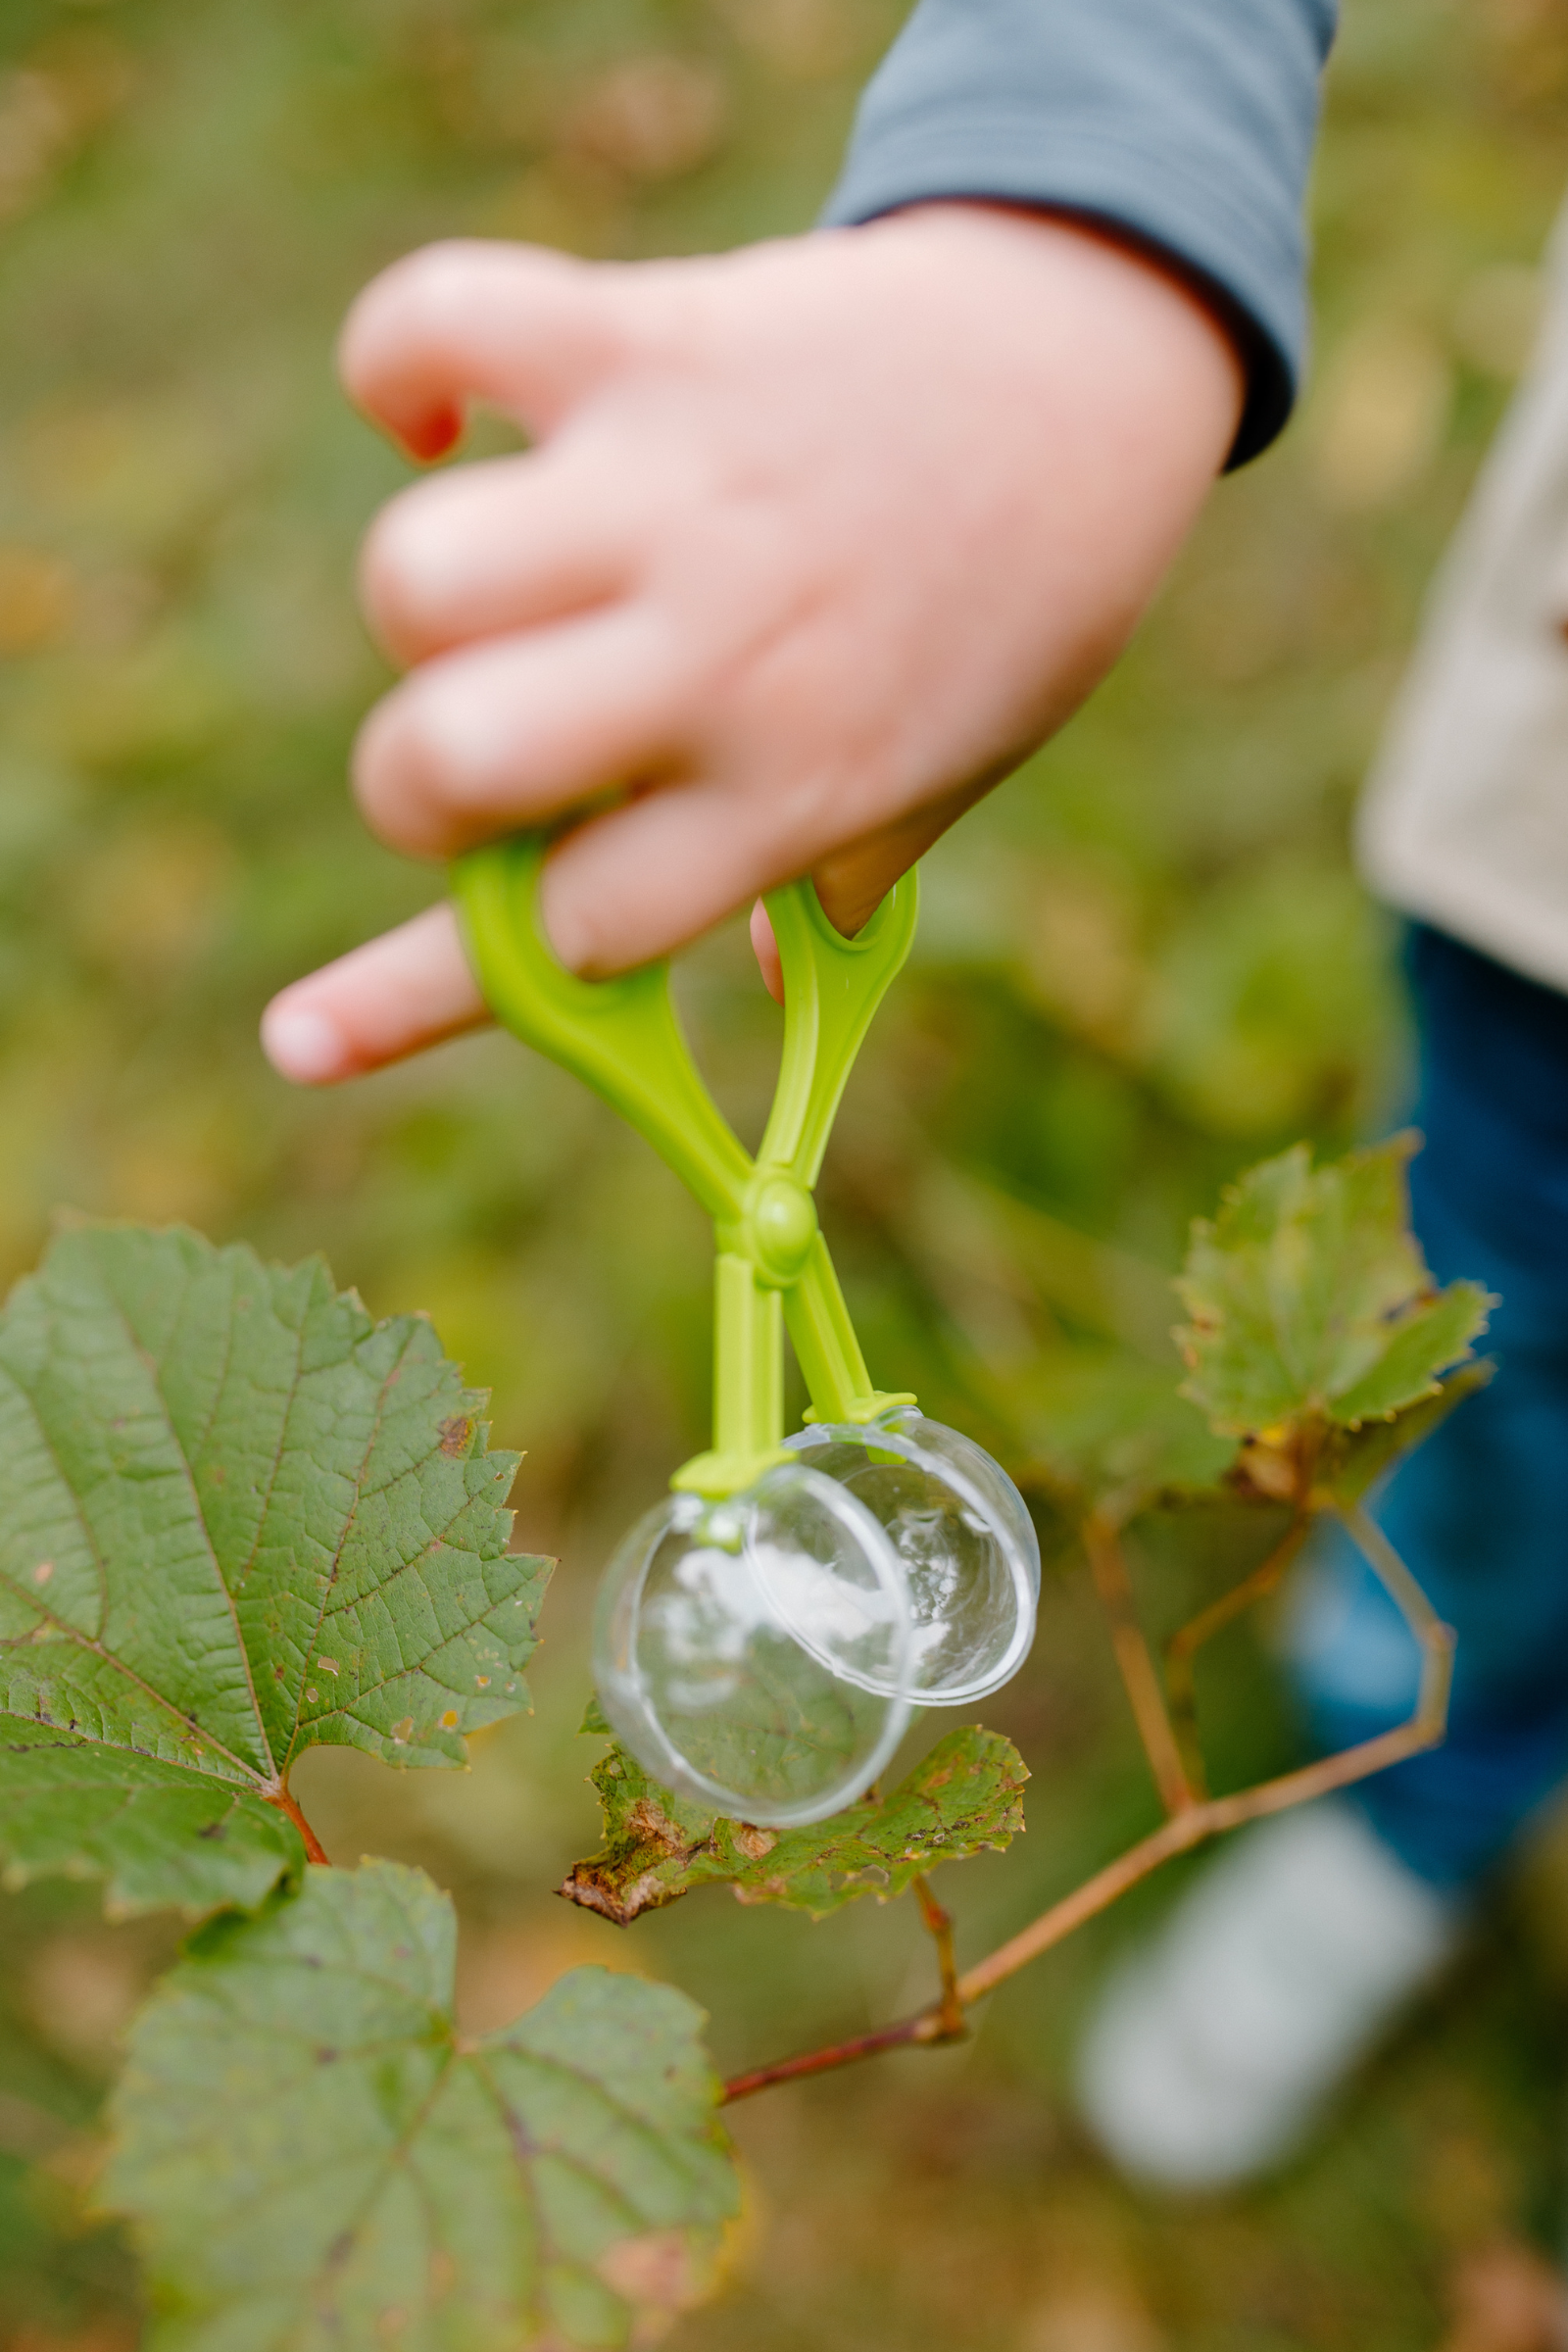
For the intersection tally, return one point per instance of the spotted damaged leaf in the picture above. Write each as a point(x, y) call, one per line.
point(237, 1519)
point(313, 2159)
point(966, 1795)
point(1311, 1304)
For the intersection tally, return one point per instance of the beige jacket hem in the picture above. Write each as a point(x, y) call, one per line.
point(1464, 822)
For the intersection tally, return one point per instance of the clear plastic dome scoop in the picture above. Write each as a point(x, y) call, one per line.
point(935, 1554)
point(965, 1537)
point(751, 1650)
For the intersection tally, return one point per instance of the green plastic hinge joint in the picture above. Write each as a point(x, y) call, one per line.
point(622, 1038)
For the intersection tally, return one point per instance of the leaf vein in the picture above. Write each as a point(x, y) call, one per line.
point(106, 1657)
point(155, 1373)
point(314, 1643)
point(78, 1508)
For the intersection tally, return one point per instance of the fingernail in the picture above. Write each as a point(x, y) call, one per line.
point(303, 1046)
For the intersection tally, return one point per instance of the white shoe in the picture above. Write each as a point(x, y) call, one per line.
point(1213, 2050)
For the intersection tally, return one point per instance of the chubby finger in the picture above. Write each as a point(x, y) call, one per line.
point(525, 329)
point(654, 873)
point(485, 549)
point(408, 989)
point(646, 878)
point(493, 737)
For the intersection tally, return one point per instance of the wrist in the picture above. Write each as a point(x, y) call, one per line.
point(1091, 275)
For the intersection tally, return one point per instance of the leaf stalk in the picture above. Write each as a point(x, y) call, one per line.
point(938, 1924)
point(280, 1796)
point(1189, 1822)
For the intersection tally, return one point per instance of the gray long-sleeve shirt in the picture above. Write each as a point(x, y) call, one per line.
point(1185, 124)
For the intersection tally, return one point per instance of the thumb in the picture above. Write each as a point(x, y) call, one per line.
point(527, 331)
point(852, 882)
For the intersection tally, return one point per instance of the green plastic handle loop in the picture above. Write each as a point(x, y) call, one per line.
point(832, 987)
point(622, 1038)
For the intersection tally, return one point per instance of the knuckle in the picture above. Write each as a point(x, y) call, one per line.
point(452, 284)
point(375, 763)
point(434, 757)
point(419, 300)
point(396, 770)
point(392, 304)
point(432, 275)
point(383, 583)
point(401, 567)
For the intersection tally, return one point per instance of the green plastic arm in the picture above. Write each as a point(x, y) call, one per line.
point(619, 1036)
point(622, 1038)
point(832, 987)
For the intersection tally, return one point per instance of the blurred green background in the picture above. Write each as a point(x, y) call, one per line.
point(1142, 966)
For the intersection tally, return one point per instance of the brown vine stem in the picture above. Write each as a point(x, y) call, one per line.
point(1194, 1824)
point(1181, 1650)
point(924, 2028)
point(315, 1850)
point(1194, 1827)
point(1101, 1539)
point(939, 1926)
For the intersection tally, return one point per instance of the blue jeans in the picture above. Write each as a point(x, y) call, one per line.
point(1481, 1512)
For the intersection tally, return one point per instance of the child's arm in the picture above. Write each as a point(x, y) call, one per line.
point(820, 538)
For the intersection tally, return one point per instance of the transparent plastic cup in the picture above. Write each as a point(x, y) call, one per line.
point(962, 1532)
point(754, 1653)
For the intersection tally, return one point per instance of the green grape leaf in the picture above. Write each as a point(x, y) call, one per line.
point(313, 2159)
point(1310, 1300)
point(1355, 1459)
point(156, 1834)
point(237, 1519)
point(964, 1795)
point(1105, 1429)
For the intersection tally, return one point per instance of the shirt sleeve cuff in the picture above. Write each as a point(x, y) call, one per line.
point(1192, 145)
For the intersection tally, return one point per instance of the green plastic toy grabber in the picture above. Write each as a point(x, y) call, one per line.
point(622, 1038)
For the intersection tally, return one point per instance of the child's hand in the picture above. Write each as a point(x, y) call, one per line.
point(818, 539)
